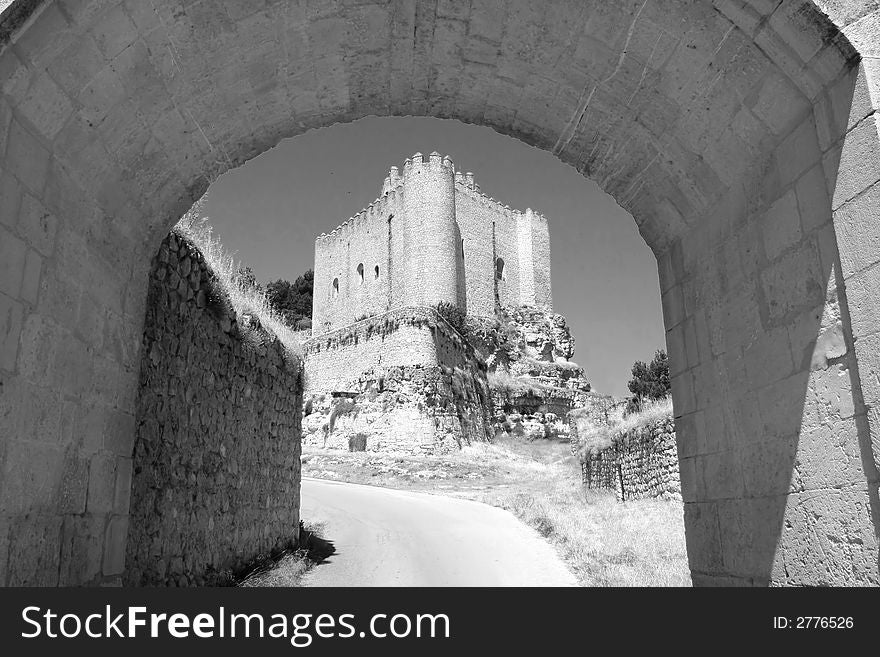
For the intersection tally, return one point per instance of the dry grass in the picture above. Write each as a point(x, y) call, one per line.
point(516, 385)
point(593, 438)
point(650, 413)
point(288, 567)
point(245, 299)
point(604, 542)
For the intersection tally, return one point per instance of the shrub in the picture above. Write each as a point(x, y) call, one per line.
point(453, 315)
point(292, 300)
point(515, 385)
point(357, 443)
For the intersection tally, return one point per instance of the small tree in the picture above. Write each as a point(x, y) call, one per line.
point(649, 381)
point(292, 300)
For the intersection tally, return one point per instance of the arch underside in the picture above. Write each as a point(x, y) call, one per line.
point(721, 127)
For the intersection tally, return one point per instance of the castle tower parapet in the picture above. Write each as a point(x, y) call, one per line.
point(431, 236)
point(429, 213)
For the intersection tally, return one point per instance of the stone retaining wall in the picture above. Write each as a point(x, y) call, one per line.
point(640, 463)
point(217, 456)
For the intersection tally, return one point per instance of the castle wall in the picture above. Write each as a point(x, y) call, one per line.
point(476, 215)
point(540, 263)
point(362, 240)
point(413, 383)
point(335, 361)
point(492, 230)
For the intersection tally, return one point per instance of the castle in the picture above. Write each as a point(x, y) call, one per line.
point(430, 237)
point(406, 306)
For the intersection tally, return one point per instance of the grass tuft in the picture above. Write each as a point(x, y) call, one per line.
point(593, 438)
point(246, 300)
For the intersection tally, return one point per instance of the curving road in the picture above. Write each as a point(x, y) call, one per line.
point(386, 537)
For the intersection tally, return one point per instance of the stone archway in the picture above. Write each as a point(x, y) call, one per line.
point(740, 134)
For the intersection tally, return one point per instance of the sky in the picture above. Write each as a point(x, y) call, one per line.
point(269, 211)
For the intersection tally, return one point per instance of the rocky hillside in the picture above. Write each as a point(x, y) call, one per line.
point(533, 381)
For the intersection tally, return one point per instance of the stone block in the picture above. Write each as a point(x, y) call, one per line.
point(12, 257)
point(859, 166)
point(11, 318)
point(864, 302)
point(113, 31)
point(119, 433)
point(781, 406)
point(855, 226)
point(798, 152)
point(720, 475)
point(768, 466)
point(37, 225)
point(750, 530)
point(46, 106)
point(74, 483)
point(10, 199)
point(34, 550)
point(27, 158)
point(768, 357)
point(829, 455)
point(867, 350)
point(82, 542)
point(794, 283)
point(114, 545)
point(781, 225)
point(703, 537)
point(829, 538)
point(102, 483)
point(30, 285)
point(122, 495)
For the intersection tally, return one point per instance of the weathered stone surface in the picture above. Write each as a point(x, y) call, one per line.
point(215, 475)
point(697, 135)
point(414, 383)
point(641, 463)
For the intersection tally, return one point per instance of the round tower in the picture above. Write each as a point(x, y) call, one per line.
point(429, 213)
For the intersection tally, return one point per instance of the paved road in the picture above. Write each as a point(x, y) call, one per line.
point(386, 537)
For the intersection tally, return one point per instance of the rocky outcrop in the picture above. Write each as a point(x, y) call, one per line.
point(533, 381)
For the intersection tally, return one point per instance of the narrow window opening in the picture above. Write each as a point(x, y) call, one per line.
point(335, 291)
point(376, 272)
point(360, 271)
point(499, 270)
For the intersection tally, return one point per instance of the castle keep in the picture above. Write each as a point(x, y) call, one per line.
point(417, 299)
point(430, 237)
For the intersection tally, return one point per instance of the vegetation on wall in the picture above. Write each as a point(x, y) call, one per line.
point(237, 282)
point(454, 316)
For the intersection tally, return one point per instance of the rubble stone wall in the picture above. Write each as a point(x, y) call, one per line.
point(216, 471)
point(641, 463)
